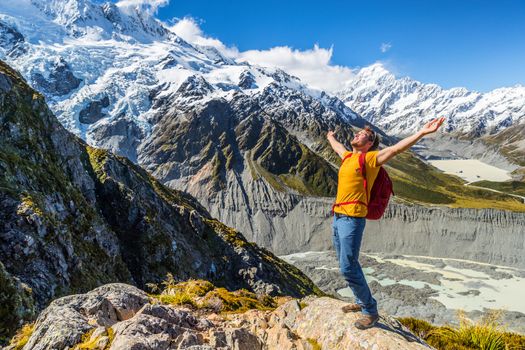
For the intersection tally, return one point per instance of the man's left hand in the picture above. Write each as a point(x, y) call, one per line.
point(432, 126)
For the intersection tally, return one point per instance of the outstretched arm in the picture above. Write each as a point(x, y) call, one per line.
point(388, 153)
point(336, 145)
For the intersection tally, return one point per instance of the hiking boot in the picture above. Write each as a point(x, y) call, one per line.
point(366, 321)
point(351, 308)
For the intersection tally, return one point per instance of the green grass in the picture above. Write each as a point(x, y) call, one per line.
point(98, 158)
point(202, 294)
point(90, 343)
point(415, 193)
point(22, 337)
point(487, 334)
point(315, 345)
point(512, 187)
point(286, 164)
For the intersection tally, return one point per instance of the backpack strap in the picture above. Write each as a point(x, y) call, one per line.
point(346, 157)
point(362, 165)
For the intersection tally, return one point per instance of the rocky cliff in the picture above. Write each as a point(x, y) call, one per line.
point(74, 217)
point(119, 316)
point(485, 235)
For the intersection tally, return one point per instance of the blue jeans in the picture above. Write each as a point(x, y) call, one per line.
point(347, 236)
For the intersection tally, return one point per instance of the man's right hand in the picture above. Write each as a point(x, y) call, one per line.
point(337, 146)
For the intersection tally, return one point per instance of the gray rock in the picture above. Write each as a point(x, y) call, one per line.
point(450, 233)
point(247, 80)
point(93, 111)
point(143, 332)
point(11, 40)
point(60, 80)
point(126, 300)
point(121, 136)
point(162, 327)
point(63, 323)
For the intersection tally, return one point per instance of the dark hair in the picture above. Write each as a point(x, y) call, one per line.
point(372, 136)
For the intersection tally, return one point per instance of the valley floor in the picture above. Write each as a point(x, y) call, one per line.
point(433, 289)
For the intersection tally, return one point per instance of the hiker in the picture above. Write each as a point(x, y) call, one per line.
point(350, 208)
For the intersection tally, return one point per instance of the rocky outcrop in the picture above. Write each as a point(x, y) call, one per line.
point(59, 80)
point(121, 134)
point(11, 40)
point(74, 217)
point(247, 80)
point(119, 316)
point(93, 111)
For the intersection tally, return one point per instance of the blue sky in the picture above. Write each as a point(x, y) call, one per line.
point(479, 45)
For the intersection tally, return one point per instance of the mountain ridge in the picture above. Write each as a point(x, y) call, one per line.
point(399, 105)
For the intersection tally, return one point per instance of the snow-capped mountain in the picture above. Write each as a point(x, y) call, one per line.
point(248, 142)
point(100, 67)
point(400, 106)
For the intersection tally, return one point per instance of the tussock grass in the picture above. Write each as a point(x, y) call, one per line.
point(315, 345)
point(486, 334)
point(202, 294)
point(22, 337)
point(103, 341)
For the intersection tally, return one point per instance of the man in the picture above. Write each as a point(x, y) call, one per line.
point(349, 219)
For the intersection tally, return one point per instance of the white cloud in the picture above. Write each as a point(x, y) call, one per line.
point(149, 6)
point(385, 47)
point(188, 29)
point(312, 66)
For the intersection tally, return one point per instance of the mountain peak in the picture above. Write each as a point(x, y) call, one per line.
point(376, 70)
point(66, 12)
point(106, 21)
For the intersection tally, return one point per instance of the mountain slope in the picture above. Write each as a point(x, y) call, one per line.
point(74, 217)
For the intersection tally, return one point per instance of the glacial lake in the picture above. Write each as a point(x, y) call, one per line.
point(471, 170)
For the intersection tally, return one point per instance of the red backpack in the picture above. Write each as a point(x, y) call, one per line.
point(379, 194)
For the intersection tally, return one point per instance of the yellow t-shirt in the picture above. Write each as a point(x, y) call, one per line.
point(350, 184)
